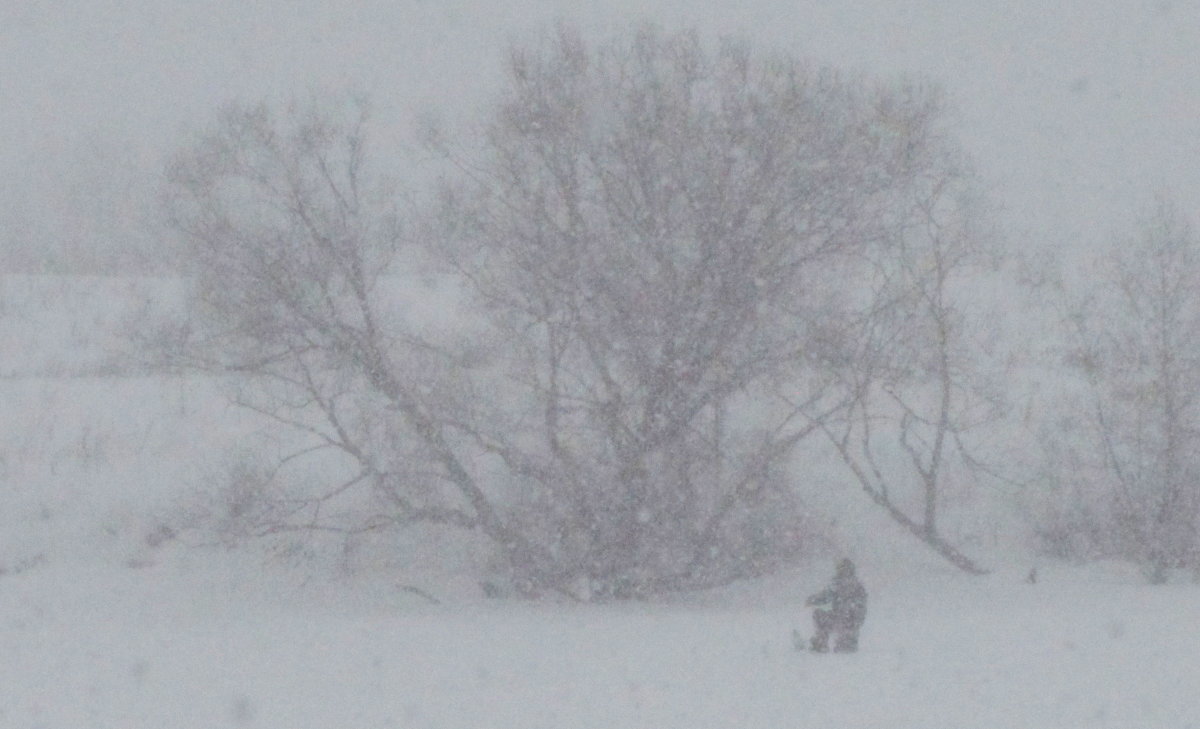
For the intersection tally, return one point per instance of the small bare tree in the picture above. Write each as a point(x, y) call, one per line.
point(1136, 343)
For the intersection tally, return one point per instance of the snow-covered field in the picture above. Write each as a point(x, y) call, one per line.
point(1075, 114)
point(186, 643)
point(106, 620)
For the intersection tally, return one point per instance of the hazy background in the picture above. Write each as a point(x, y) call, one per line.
point(1076, 112)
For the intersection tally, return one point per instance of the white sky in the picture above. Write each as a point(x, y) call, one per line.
point(1075, 111)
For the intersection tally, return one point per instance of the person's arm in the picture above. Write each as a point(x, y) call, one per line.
point(824, 597)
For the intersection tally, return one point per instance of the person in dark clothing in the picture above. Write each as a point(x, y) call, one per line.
point(846, 601)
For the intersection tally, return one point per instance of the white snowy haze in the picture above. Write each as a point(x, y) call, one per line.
point(170, 556)
point(1075, 112)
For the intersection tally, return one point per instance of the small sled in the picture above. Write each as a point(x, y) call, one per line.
point(800, 642)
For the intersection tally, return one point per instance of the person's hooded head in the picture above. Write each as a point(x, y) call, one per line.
point(845, 568)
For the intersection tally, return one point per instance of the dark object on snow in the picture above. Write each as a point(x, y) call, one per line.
point(846, 599)
point(1032, 577)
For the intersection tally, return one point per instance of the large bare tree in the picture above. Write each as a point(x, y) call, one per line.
point(651, 253)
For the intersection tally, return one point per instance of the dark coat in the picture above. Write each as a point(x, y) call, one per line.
point(847, 600)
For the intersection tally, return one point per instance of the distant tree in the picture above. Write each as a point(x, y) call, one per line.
point(1137, 342)
point(646, 260)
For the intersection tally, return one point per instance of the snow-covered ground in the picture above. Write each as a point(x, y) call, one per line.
point(1074, 113)
point(107, 620)
point(184, 643)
